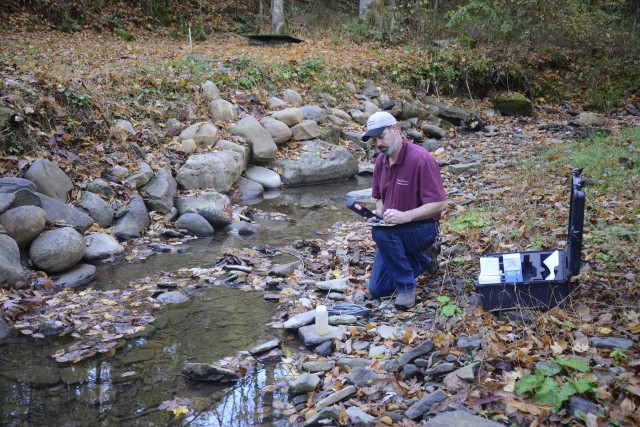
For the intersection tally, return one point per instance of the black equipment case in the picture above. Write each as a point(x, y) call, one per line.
point(535, 290)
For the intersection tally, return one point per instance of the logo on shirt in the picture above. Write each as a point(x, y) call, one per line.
point(402, 182)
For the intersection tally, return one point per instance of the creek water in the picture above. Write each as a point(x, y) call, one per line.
point(217, 322)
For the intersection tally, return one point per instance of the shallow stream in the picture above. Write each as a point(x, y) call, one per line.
point(218, 322)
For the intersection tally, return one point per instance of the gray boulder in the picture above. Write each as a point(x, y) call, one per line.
point(410, 110)
point(98, 209)
point(218, 170)
point(341, 114)
point(55, 209)
point(275, 102)
point(210, 90)
point(194, 224)
point(263, 146)
point(50, 180)
point(460, 419)
point(424, 405)
point(193, 204)
point(206, 372)
point(24, 223)
point(292, 97)
point(57, 250)
point(161, 190)
point(315, 113)
point(204, 134)
point(279, 131)
point(223, 111)
point(101, 246)
point(244, 151)
point(216, 217)
point(306, 129)
point(432, 131)
point(10, 268)
point(289, 116)
point(6, 200)
point(587, 119)
point(11, 185)
point(266, 177)
point(514, 104)
point(141, 177)
point(249, 189)
point(124, 125)
point(132, 224)
point(319, 162)
point(305, 383)
point(77, 275)
point(100, 186)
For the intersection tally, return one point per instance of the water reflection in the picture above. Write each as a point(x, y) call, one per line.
point(216, 323)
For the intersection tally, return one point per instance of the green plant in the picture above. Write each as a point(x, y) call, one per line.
point(448, 309)
point(75, 97)
point(549, 388)
point(123, 34)
point(473, 218)
point(618, 355)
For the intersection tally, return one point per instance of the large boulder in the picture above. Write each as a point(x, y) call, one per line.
point(318, 162)
point(193, 204)
point(11, 185)
point(263, 146)
point(210, 90)
point(223, 111)
point(57, 250)
point(218, 170)
point(204, 134)
point(243, 150)
point(141, 177)
point(306, 129)
point(292, 97)
point(266, 177)
point(98, 209)
point(134, 223)
point(194, 224)
point(55, 209)
point(315, 113)
point(289, 116)
point(452, 113)
point(10, 269)
point(101, 186)
point(279, 131)
point(50, 180)
point(101, 246)
point(24, 223)
point(514, 104)
point(6, 200)
point(248, 189)
point(161, 190)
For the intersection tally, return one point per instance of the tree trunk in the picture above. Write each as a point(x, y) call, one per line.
point(365, 8)
point(635, 20)
point(277, 16)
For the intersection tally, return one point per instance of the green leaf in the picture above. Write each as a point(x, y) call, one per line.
point(449, 310)
point(573, 363)
point(458, 259)
point(582, 386)
point(528, 383)
point(443, 299)
point(552, 395)
point(548, 368)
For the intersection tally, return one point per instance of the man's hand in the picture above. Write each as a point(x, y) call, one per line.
point(394, 216)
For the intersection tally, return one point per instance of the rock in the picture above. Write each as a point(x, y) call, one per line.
point(317, 366)
point(335, 397)
point(431, 145)
point(469, 343)
point(194, 224)
point(292, 97)
point(263, 146)
point(57, 250)
point(24, 223)
point(433, 131)
point(314, 113)
point(306, 129)
point(10, 268)
point(319, 162)
point(300, 320)
point(362, 377)
point(460, 168)
point(223, 111)
point(244, 151)
point(467, 373)
point(205, 134)
point(100, 186)
point(441, 369)
point(612, 343)
point(360, 418)
point(289, 116)
point(216, 217)
point(305, 383)
point(134, 223)
point(56, 210)
point(420, 350)
point(101, 246)
point(414, 136)
point(39, 376)
point(6, 200)
point(77, 275)
point(210, 90)
point(248, 190)
point(580, 407)
point(194, 204)
point(242, 228)
point(267, 346)
point(218, 170)
point(207, 372)
point(337, 285)
point(410, 110)
point(161, 190)
point(99, 210)
point(49, 179)
point(370, 108)
point(275, 102)
point(424, 405)
point(75, 375)
point(371, 90)
point(454, 115)
point(140, 178)
point(359, 117)
point(341, 114)
point(587, 119)
point(356, 138)
point(310, 338)
point(124, 125)
point(279, 131)
point(173, 127)
point(266, 177)
point(515, 104)
point(460, 419)
point(11, 185)
point(172, 297)
point(284, 270)
point(365, 168)
point(189, 146)
point(325, 349)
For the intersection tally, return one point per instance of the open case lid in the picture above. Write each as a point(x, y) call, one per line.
point(576, 223)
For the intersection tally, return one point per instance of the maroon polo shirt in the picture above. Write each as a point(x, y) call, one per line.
point(413, 180)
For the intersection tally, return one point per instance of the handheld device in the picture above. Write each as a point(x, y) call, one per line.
point(358, 208)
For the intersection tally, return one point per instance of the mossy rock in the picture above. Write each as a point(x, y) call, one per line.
point(514, 104)
point(123, 34)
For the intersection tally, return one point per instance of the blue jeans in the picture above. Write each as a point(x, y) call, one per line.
point(399, 257)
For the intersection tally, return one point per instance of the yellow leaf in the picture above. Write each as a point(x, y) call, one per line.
point(107, 316)
point(180, 410)
point(337, 273)
point(604, 330)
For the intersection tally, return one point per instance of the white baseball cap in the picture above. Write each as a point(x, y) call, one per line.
point(377, 123)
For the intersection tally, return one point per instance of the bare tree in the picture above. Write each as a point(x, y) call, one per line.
point(277, 16)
